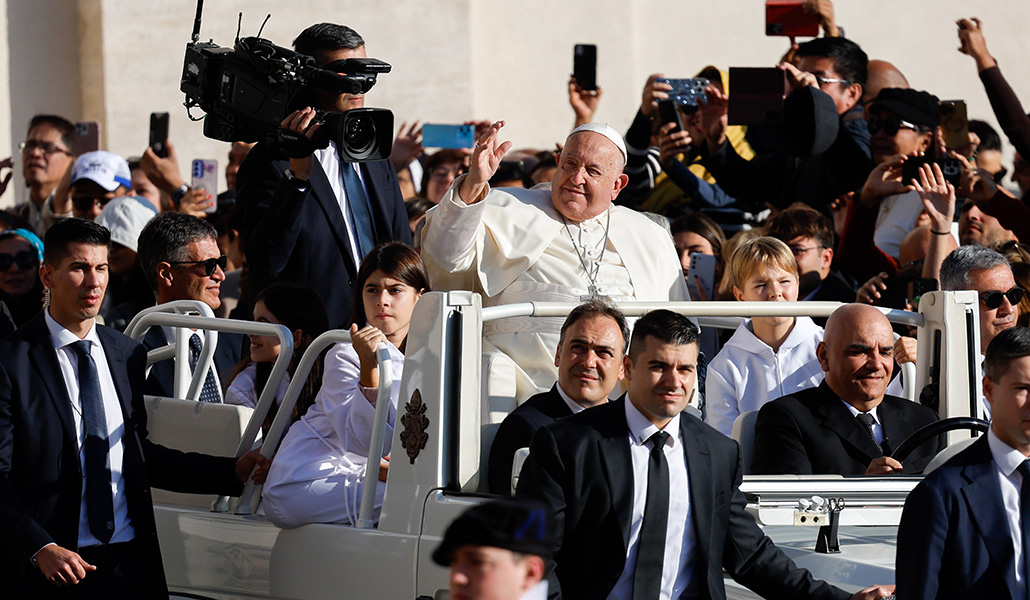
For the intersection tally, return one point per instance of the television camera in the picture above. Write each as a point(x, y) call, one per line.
point(246, 92)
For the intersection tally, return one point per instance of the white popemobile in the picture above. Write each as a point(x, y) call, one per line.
point(452, 399)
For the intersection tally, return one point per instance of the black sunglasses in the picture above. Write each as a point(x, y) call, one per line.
point(889, 125)
point(992, 300)
point(24, 259)
point(209, 265)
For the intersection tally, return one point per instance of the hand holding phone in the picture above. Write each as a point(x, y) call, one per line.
point(701, 276)
point(448, 136)
point(159, 133)
point(205, 179)
point(87, 137)
point(790, 19)
point(584, 65)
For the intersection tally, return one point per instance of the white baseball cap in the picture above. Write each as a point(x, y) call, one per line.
point(106, 169)
point(126, 216)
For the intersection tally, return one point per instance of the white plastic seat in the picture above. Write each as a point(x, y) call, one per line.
point(945, 455)
point(744, 434)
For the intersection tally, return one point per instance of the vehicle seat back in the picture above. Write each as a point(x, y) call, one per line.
point(503, 390)
point(945, 455)
point(744, 434)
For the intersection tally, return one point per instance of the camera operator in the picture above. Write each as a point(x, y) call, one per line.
point(310, 220)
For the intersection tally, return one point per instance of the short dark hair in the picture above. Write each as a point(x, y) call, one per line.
point(63, 126)
point(849, 60)
point(664, 325)
point(326, 37)
point(397, 260)
point(800, 220)
point(1007, 346)
point(71, 231)
point(597, 307)
point(989, 138)
point(165, 239)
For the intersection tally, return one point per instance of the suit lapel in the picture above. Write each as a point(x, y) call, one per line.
point(43, 357)
point(983, 497)
point(618, 468)
point(837, 418)
point(116, 364)
point(699, 476)
point(890, 421)
point(323, 192)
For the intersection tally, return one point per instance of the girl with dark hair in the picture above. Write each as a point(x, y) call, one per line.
point(299, 308)
point(317, 473)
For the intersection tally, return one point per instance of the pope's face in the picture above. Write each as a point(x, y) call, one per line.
point(588, 178)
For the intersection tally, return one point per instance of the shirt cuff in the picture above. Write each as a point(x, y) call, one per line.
point(33, 559)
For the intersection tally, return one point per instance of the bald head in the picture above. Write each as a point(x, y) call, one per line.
point(857, 355)
point(882, 74)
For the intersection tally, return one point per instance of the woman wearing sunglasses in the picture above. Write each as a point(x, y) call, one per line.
point(317, 474)
point(21, 253)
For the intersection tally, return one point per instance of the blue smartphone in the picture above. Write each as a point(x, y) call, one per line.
point(448, 136)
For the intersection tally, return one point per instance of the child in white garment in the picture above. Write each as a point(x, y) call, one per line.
point(767, 357)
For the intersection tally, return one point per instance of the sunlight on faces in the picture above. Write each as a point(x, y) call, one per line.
point(993, 322)
point(857, 355)
point(488, 573)
point(15, 280)
point(844, 96)
point(388, 304)
point(1010, 404)
point(77, 284)
point(589, 360)
point(189, 282)
point(978, 227)
point(769, 283)
point(906, 142)
point(264, 348)
point(661, 379)
point(40, 168)
point(589, 176)
point(687, 243)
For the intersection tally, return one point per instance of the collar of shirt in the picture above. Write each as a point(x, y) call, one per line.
point(854, 411)
point(1006, 457)
point(641, 428)
point(62, 337)
point(169, 333)
point(574, 406)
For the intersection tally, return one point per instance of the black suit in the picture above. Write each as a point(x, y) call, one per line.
point(581, 467)
point(954, 541)
point(812, 431)
point(41, 479)
point(161, 381)
point(296, 233)
point(516, 431)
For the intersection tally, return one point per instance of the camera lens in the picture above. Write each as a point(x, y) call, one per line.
point(360, 135)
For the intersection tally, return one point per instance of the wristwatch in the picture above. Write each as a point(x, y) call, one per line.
point(179, 194)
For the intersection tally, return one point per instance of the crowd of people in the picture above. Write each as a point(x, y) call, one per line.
point(822, 205)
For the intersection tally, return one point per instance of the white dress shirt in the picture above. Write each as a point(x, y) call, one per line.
point(574, 406)
point(1006, 459)
point(680, 543)
point(877, 428)
point(69, 363)
point(329, 158)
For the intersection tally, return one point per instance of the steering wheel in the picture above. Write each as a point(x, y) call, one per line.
point(928, 432)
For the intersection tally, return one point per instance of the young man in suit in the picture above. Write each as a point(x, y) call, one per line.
point(847, 425)
point(589, 360)
point(181, 260)
point(75, 462)
point(310, 220)
point(965, 530)
point(647, 498)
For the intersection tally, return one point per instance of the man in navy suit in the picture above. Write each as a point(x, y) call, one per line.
point(180, 258)
point(964, 531)
point(75, 463)
point(646, 497)
point(310, 220)
point(589, 360)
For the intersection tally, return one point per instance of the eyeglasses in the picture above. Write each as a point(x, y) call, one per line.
point(24, 260)
point(210, 264)
point(993, 300)
point(824, 80)
point(88, 203)
point(889, 125)
point(47, 148)
point(800, 251)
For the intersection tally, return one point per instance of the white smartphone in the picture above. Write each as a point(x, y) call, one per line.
point(702, 266)
point(205, 177)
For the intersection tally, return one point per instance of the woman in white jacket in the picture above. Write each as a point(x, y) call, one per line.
point(767, 357)
point(317, 474)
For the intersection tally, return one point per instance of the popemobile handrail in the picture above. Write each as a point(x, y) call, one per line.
point(183, 386)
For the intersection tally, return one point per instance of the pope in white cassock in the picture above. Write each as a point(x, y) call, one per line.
point(559, 245)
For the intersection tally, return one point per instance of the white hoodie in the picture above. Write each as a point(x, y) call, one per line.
point(747, 373)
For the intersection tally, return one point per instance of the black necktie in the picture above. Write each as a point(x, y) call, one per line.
point(647, 578)
point(99, 499)
point(1024, 520)
point(358, 205)
point(209, 393)
point(867, 421)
